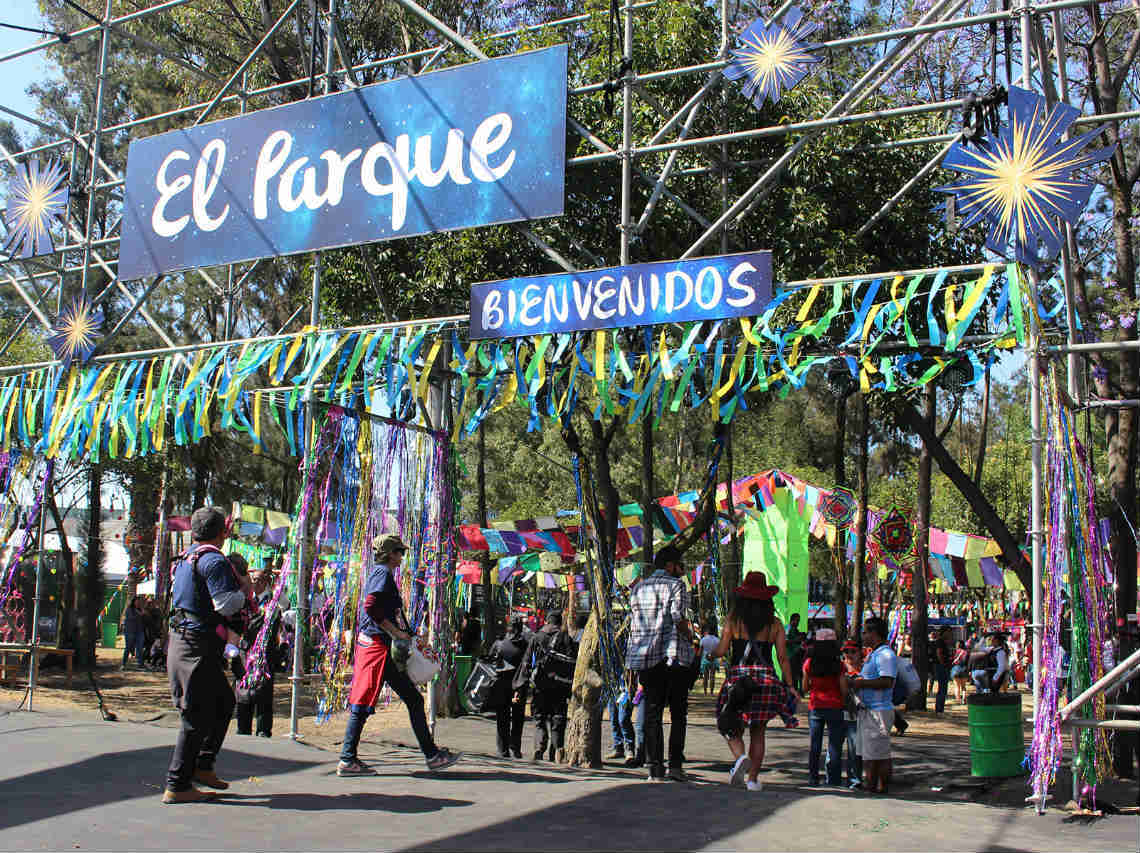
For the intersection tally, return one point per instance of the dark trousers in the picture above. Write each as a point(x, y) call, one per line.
point(663, 686)
point(832, 720)
point(942, 676)
point(261, 704)
point(509, 719)
point(633, 728)
point(206, 712)
point(410, 695)
point(549, 724)
point(135, 642)
point(854, 760)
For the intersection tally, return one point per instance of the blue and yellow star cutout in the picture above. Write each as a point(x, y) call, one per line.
point(773, 58)
point(76, 332)
point(1022, 180)
point(36, 196)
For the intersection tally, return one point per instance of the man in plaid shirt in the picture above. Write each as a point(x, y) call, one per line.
point(661, 652)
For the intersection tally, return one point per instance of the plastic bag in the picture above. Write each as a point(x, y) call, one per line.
point(420, 668)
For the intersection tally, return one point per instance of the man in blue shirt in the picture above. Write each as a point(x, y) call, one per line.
point(875, 685)
point(206, 591)
point(380, 625)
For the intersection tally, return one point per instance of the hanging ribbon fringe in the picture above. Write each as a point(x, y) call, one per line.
point(131, 408)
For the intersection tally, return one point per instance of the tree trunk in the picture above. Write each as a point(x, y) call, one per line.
point(735, 576)
point(584, 716)
point(93, 586)
point(584, 721)
point(838, 555)
point(1119, 424)
point(861, 523)
point(144, 495)
point(983, 433)
point(202, 460)
point(647, 491)
point(919, 629)
point(991, 520)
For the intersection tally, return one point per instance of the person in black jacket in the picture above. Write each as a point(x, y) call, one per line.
point(510, 710)
point(549, 703)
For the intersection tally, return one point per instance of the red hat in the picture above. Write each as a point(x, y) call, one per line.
point(756, 586)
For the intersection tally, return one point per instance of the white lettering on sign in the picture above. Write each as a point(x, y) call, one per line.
point(595, 301)
point(204, 186)
point(167, 190)
point(385, 169)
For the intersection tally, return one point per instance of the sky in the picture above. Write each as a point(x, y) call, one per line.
point(20, 73)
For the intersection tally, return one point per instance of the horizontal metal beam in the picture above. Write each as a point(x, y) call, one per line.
point(1085, 723)
point(776, 130)
point(91, 30)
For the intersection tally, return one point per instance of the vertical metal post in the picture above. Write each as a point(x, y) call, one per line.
point(1035, 524)
point(626, 131)
point(1068, 247)
point(93, 159)
point(438, 408)
point(229, 321)
point(33, 662)
point(307, 436)
point(32, 658)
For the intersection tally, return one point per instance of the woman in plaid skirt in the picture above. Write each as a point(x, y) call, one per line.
point(752, 693)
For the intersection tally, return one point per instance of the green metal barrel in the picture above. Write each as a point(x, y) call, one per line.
point(997, 740)
point(463, 664)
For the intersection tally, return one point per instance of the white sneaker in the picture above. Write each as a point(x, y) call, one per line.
point(754, 785)
point(739, 771)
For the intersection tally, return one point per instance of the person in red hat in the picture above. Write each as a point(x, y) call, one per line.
point(752, 693)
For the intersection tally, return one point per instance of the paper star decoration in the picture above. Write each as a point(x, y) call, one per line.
point(773, 57)
point(839, 507)
point(1021, 181)
point(76, 332)
point(35, 197)
point(894, 534)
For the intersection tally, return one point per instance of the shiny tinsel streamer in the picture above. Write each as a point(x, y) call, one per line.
point(257, 665)
point(1071, 548)
point(31, 526)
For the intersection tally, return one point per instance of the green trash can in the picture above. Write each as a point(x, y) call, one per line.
point(110, 634)
point(463, 665)
point(997, 739)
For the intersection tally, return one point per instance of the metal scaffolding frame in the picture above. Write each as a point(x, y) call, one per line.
point(900, 45)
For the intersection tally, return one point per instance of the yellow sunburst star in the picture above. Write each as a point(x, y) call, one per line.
point(76, 332)
point(36, 196)
point(1022, 182)
point(773, 58)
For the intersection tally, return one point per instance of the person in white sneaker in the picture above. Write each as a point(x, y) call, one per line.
point(377, 631)
point(876, 709)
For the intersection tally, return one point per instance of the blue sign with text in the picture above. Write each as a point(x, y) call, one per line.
point(636, 295)
point(467, 146)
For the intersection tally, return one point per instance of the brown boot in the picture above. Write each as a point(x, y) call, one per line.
point(210, 779)
point(190, 795)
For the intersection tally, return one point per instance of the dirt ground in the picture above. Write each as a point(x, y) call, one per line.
point(138, 695)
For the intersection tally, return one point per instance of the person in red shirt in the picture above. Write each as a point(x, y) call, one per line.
point(826, 686)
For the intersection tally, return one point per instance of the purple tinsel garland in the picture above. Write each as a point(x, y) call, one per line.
point(31, 530)
point(257, 664)
point(1073, 548)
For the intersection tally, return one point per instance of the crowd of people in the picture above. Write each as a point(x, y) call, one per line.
point(142, 628)
point(219, 606)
